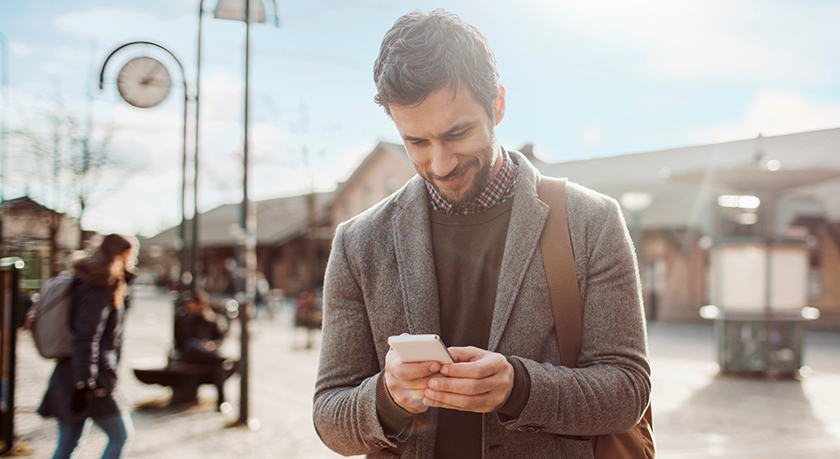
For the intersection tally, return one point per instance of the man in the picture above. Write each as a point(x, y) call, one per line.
point(456, 253)
point(199, 333)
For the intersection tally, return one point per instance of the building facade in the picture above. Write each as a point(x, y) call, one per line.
point(676, 231)
point(40, 236)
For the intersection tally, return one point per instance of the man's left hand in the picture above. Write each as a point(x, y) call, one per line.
point(479, 381)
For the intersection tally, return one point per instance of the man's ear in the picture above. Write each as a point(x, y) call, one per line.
point(500, 105)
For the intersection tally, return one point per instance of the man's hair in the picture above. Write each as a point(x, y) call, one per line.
point(423, 53)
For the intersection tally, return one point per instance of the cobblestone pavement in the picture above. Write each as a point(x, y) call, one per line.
point(696, 413)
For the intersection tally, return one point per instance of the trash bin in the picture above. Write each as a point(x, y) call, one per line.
point(760, 297)
point(761, 344)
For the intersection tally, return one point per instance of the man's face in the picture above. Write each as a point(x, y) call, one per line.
point(451, 142)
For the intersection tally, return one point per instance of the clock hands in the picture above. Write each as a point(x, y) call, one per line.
point(151, 76)
point(144, 82)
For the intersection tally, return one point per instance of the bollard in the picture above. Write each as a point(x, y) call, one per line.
point(9, 320)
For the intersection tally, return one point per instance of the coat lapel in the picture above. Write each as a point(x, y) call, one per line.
point(415, 260)
point(527, 219)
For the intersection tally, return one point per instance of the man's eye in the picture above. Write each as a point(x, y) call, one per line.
point(418, 143)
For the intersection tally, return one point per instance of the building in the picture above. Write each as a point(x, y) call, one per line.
point(294, 233)
point(684, 219)
point(676, 225)
point(293, 243)
point(41, 236)
point(385, 170)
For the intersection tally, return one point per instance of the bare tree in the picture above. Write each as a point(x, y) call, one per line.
point(44, 166)
point(72, 155)
point(90, 159)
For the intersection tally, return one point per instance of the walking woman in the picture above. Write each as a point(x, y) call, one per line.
point(82, 386)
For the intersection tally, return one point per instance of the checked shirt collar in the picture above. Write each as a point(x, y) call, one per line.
point(499, 190)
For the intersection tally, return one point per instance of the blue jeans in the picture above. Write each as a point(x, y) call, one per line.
point(118, 427)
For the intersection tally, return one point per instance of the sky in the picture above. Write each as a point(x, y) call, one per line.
point(583, 79)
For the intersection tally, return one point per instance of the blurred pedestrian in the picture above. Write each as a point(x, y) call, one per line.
point(261, 296)
point(198, 336)
point(83, 385)
point(308, 315)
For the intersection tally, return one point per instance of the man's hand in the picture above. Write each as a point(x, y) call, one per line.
point(406, 382)
point(479, 381)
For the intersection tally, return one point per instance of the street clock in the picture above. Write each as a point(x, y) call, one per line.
point(144, 82)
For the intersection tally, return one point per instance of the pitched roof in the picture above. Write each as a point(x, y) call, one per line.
point(25, 203)
point(678, 203)
point(395, 149)
point(278, 220)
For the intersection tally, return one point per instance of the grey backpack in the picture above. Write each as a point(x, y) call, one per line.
point(49, 317)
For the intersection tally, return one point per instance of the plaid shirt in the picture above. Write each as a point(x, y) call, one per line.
point(499, 190)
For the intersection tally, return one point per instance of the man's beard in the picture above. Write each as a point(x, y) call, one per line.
point(480, 180)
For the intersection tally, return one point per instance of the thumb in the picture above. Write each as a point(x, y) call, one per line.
point(466, 354)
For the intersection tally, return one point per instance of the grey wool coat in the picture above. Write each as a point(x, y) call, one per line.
point(381, 281)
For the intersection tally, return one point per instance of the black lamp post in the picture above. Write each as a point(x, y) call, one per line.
point(196, 216)
point(148, 83)
point(144, 82)
point(247, 239)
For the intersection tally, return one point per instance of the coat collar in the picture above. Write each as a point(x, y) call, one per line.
point(527, 219)
point(415, 259)
point(415, 255)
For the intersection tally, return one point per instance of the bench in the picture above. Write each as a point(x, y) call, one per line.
point(183, 378)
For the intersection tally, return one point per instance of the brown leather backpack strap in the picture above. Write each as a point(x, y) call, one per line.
point(559, 262)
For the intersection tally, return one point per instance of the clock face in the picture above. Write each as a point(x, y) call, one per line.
point(144, 82)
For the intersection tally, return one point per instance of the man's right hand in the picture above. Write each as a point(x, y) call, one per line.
point(406, 382)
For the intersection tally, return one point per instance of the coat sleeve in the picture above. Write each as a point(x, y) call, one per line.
point(344, 410)
point(610, 389)
point(90, 316)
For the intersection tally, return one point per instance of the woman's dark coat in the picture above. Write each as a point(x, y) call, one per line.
point(97, 327)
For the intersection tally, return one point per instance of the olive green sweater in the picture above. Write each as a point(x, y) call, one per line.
point(468, 251)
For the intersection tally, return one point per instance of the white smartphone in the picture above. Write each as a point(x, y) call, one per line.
point(420, 348)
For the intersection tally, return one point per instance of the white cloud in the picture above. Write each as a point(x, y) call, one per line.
point(222, 95)
point(268, 138)
point(54, 60)
point(774, 113)
point(702, 53)
point(21, 49)
point(591, 137)
point(53, 68)
point(109, 23)
point(707, 39)
point(71, 55)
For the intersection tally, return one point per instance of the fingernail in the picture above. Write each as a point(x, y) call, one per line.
point(445, 370)
point(433, 384)
point(430, 393)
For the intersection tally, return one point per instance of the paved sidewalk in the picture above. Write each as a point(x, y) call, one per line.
point(696, 413)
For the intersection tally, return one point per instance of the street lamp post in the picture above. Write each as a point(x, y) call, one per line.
point(196, 217)
point(182, 229)
point(146, 82)
point(247, 258)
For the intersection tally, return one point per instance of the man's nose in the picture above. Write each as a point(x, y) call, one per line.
point(443, 159)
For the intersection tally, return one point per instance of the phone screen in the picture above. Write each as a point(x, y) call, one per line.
point(420, 348)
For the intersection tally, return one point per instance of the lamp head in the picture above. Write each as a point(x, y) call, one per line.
point(234, 10)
